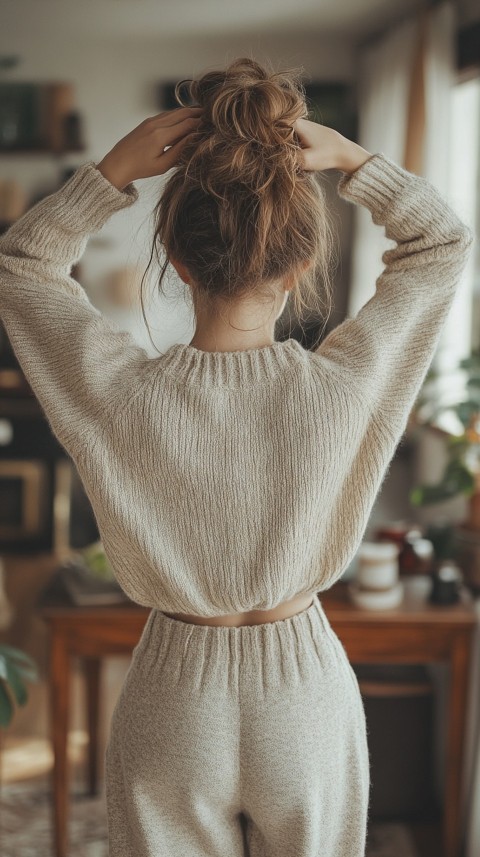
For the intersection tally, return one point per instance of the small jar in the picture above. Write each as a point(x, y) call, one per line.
point(416, 556)
point(447, 580)
point(377, 566)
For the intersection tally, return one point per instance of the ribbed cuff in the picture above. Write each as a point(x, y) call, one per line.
point(374, 182)
point(87, 199)
point(380, 180)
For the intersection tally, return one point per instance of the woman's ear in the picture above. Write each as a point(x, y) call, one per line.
point(182, 271)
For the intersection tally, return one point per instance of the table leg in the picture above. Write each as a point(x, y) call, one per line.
point(92, 676)
point(59, 702)
point(458, 698)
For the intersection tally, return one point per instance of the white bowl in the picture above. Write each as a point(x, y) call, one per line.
point(382, 599)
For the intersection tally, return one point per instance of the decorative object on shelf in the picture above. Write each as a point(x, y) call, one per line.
point(417, 555)
point(96, 561)
point(376, 584)
point(416, 551)
point(39, 117)
point(447, 580)
point(441, 533)
point(88, 579)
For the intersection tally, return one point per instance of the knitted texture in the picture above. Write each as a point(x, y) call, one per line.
point(230, 481)
point(220, 734)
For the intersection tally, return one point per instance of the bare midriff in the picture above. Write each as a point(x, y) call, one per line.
point(252, 617)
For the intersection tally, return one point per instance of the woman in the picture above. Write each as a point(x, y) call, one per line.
point(232, 477)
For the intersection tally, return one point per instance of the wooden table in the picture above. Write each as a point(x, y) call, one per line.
point(414, 633)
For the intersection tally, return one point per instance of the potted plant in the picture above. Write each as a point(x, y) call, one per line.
point(449, 404)
point(16, 668)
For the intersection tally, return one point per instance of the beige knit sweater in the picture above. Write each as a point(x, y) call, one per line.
point(226, 482)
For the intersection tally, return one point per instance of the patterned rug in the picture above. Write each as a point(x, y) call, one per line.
point(25, 826)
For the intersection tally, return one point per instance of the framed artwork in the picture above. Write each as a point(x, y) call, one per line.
point(39, 117)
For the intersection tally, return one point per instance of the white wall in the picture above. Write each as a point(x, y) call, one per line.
point(115, 83)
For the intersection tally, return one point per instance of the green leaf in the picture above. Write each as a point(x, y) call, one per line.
point(20, 671)
point(14, 679)
point(6, 707)
point(28, 674)
point(423, 495)
point(458, 478)
point(416, 496)
point(17, 654)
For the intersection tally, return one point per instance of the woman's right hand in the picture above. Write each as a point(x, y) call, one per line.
point(142, 152)
point(323, 148)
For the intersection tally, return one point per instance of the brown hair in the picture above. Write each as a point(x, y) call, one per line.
point(238, 210)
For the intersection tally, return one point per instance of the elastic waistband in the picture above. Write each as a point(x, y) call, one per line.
point(163, 632)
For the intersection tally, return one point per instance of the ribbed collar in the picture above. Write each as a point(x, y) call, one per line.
point(235, 369)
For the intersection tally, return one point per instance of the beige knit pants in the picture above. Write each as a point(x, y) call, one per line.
point(227, 742)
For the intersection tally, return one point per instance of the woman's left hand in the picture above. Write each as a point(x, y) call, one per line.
point(141, 153)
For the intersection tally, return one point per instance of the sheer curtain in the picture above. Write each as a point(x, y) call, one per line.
point(405, 95)
point(439, 166)
point(383, 97)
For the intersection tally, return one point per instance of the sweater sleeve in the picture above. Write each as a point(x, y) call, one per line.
point(75, 360)
point(385, 351)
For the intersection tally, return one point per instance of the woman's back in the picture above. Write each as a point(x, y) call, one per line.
point(232, 478)
point(228, 481)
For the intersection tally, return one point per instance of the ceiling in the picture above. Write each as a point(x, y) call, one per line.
point(161, 19)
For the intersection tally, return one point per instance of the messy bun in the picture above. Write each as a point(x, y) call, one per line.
point(238, 210)
point(246, 135)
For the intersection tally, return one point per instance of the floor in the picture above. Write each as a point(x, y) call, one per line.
point(25, 814)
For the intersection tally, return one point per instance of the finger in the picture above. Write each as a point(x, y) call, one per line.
point(177, 114)
point(176, 117)
point(168, 159)
point(171, 133)
point(302, 128)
